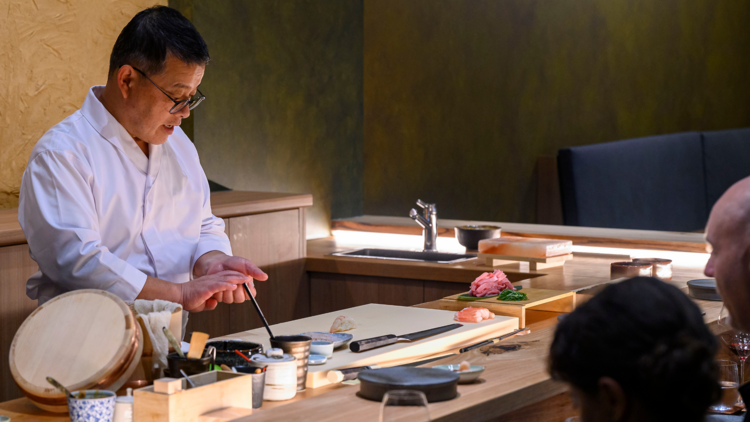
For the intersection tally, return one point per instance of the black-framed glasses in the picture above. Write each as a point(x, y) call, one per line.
point(191, 102)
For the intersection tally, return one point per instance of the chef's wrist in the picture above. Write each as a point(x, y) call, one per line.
point(156, 288)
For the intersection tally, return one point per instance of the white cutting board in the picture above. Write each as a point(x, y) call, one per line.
point(375, 320)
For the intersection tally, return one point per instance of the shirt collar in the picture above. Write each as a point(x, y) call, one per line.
point(111, 130)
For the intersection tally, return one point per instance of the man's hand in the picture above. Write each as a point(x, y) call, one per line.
point(215, 262)
point(197, 294)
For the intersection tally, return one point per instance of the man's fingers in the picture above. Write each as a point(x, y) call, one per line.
point(254, 271)
point(239, 295)
point(233, 277)
point(210, 305)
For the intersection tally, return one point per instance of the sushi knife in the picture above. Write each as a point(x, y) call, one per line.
point(375, 342)
point(347, 374)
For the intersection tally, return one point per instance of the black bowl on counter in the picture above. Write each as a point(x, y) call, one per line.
point(470, 235)
point(189, 366)
point(225, 351)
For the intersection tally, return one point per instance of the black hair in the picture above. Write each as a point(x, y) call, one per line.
point(650, 338)
point(152, 35)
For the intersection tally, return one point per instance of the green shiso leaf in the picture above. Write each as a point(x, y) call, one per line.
point(511, 295)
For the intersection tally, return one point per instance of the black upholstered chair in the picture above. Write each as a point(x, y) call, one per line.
point(652, 183)
point(726, 158)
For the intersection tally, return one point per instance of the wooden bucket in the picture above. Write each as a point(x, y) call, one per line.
point(85, 339)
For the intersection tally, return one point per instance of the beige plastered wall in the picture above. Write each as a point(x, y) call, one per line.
point(51, 53)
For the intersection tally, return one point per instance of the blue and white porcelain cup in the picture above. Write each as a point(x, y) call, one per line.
point(96, 406)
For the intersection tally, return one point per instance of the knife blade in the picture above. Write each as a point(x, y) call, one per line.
point(375, 342)
point(336, 376)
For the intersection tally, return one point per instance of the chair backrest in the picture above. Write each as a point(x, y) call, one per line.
point(726, 158)
point(652, 183)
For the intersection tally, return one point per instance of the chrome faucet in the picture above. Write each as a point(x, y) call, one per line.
point(428, 221)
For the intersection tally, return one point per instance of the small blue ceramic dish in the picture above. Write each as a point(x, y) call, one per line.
point(338, 339)
point(96, 406)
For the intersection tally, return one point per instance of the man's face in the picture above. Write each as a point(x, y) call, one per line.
point(729, 265)
point(148, 108)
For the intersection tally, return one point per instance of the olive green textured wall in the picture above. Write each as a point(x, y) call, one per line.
point(461, 97)
point(284, 100)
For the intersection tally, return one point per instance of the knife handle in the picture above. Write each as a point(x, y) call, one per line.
point(372, 343)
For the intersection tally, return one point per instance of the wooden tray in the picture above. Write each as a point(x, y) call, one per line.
point(216, 391)
point(376, 320)
point(534, 263)
point(539, 300)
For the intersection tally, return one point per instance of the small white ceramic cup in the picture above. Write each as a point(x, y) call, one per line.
point(321, 347)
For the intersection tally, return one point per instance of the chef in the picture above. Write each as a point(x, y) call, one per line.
point(114, 196)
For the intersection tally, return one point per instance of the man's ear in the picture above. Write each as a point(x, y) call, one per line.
point(613, 398)
point(125, 80)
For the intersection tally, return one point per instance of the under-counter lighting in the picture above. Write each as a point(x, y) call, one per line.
point(359, 239)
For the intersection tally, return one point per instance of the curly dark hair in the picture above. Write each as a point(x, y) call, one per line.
point(650, 338)
point(152, 35)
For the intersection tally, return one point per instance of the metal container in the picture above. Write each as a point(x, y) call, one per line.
point(660, 268)
point(299, 347)
point(629, 269)
point(280, 376)
point(257, 370)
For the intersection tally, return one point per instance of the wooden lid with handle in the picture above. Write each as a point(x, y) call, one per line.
point(85, 339)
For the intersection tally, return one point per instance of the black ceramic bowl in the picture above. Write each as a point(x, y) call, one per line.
point(190, 366)
point(469, 236)
point(225, 354)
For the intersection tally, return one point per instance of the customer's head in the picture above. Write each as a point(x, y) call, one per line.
point(637, 351)
point(159, 54)
point(728, 235)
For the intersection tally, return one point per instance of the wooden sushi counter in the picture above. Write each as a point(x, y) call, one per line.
point(515, 385)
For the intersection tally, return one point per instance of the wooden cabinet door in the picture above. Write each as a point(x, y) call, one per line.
point(331, 292)
point(16, 266)
point(276, 243)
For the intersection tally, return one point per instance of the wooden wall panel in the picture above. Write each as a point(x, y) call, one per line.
point(16, 266)
point(331, 292)
point(436, 290)
point(276, 243)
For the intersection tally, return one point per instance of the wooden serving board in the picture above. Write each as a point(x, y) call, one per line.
point(534, 263)
point(539, 300)
point(376, 320)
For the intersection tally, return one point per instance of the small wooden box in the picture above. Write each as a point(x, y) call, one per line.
point(557, 301)
point(215, 390)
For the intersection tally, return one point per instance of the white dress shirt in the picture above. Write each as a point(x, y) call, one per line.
point(97, 213)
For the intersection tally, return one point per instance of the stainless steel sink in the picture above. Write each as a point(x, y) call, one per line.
point(434, 257)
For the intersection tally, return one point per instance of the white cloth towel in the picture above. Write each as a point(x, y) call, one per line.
point(156, 314)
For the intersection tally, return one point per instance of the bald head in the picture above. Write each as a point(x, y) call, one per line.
point(728, 234)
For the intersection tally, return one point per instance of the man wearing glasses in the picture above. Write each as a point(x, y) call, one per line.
point(114, 196)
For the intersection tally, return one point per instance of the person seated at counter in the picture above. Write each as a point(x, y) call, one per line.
point(114, 196)
point(728, 238)
point(637, 351)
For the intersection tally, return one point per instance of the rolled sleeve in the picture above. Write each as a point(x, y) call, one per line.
point(58, 216)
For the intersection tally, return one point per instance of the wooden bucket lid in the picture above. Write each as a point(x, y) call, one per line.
point(85, 339)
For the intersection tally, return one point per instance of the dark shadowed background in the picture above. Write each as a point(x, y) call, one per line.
point(369, 105)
